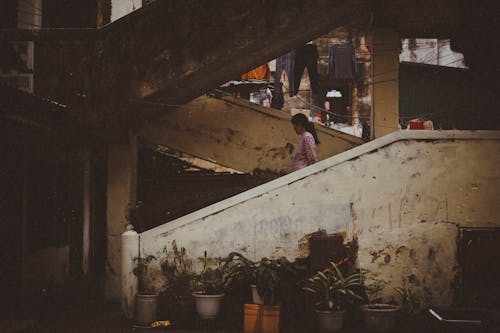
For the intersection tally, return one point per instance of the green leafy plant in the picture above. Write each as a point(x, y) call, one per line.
point(239, 272)
point(177, 268)
point(212, 279)
point(274, 278)
point(141, 271)
point(332, 290)
point(408, 299)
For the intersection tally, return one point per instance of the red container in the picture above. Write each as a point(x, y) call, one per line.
point(416, 124)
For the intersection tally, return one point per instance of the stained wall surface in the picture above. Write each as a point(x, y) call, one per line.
point(404, 196)
point(239, 134)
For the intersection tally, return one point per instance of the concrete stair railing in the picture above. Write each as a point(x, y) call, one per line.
point(239, 134)
point(402, 197)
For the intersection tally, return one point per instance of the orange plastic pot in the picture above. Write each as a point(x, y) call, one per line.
point(262, 318)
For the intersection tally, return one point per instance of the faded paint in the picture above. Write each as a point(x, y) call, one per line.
point(238, 134)
point(385, 82)
point(404, 196)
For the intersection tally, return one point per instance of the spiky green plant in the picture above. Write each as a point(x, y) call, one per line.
point(332, 290)
point(225, 274)
point(408, 299)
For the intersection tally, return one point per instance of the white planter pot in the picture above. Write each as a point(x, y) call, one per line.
point(146, 307)
point(257, 299)
point(330, 321)
point(207, 306)
point(380, 317)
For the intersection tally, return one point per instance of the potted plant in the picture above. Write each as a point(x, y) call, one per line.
point(382, 317)
point(241, 273)
point(333, 293)
point(273, 279)
point(146, 301)
point(179, 274)
point(211, 283)
point(409, 303)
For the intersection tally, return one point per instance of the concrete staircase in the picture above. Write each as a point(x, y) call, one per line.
point(238, 134)
point(402, 198)
point(174, 51)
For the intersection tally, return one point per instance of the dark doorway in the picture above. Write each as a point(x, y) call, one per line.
point(480, 267)
point(339, 104)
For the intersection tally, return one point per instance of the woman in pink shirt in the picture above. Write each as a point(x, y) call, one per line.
point(305, 154)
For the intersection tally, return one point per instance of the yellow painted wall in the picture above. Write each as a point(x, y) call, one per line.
point(385, 82)
point(238, 134)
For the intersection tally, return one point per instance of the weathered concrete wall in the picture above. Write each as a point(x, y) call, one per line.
point(404, 196)
point(386, 44)
point(238, 134)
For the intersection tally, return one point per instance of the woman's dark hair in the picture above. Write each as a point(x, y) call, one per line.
point(301, 120)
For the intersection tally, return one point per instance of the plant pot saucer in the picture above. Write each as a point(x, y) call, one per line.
point(200, 294)
point(380, 307)
point(143, 327)
point(380, 318)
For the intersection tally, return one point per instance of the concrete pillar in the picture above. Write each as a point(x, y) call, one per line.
point(87, 188)
point(386, 44)
point(119, 192)
point(130, 250)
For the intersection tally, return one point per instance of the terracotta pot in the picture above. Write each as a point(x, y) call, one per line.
point(262, 318)
point(146, 307)
point(330, 321)
point(207, 306)
point(380, 317)
point(257, 299)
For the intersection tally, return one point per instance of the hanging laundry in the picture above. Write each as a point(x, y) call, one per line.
point(284, 63)
point(342, 61)
point(306, 57)
point(262, 72)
